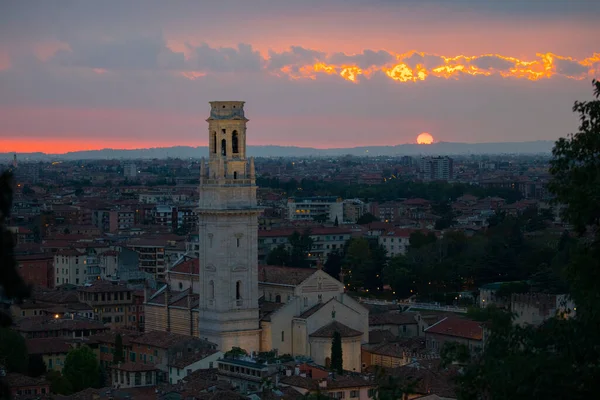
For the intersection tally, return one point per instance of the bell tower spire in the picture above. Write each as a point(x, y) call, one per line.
point(228, 229)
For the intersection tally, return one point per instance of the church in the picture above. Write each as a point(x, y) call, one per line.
point(224, 296)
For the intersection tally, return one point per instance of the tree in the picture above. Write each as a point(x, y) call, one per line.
point(279, 256)
point(118, 355)
point(333, 265)
point(236, 352)
point(366, 218)
point(337, 359)
point(11, 283)
point(454, 352)
point(58, 383)
point(300, 246)
point(37, 366)
point(13, 351)
point(336, 222)
point(82, 369)
point(560, 358)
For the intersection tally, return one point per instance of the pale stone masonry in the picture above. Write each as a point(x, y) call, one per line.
point(228, 228)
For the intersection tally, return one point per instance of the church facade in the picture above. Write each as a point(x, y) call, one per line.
point(224, 296)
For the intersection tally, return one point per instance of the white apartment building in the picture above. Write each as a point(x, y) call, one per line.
point(309, 208)
point(76, 266)
point(396, 241)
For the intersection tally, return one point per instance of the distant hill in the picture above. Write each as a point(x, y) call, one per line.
point(441, 148)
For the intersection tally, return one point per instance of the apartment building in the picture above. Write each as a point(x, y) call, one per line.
point(315, 209)
point(395, 241)
point(151, 254)
point(325, 240)
point(436, 168)
point(112, 303)
point(353, 210)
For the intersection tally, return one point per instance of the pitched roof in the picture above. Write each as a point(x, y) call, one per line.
point(457, 327)
point(393, 318)
point(340, 381)
point(185, 267)
point(133, 367)
point(47, 346)
point(328, 330)
point(283, 275)
point(381, 335)
point(165, 340)
point(15, 380)
point(189, 358)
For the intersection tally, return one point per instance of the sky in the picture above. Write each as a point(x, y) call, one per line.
point(83, 74)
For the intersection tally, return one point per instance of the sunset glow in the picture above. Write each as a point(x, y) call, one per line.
point(424, 138)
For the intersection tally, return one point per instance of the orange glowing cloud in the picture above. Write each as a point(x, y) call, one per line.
point(403, 69)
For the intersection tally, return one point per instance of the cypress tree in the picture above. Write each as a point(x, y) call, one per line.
point(337, 361)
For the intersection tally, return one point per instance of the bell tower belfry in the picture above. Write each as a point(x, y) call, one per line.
point(228, 228)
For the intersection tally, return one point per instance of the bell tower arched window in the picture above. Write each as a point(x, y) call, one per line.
point(215, 142)
point(238, 290)
point(234, 142)
point(234, 174)
point(211, 290)
point(223, 147)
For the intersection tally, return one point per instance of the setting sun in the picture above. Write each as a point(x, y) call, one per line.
point(424, 138)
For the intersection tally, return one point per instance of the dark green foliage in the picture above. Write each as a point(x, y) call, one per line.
point(507, 289)
point(13, 351)
point(59, 384)
point(364, 261)
point(295, 254)
point(333, 265)
point(366, 218)
point(36, 366)
point(11, 283)
point(559, 359)
point(337, 359)
point(336, 222)
point(82, 369)
point(118, 355)
point(454, 352)
point(236, 352)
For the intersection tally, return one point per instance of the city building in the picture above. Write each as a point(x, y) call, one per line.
point(36, 269)
point(112, 303)
point(316, 209)
point(130, 171)
point(436, 168)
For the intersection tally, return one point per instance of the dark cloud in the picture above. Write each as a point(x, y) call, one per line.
point(429, 61)
point(297, 55)
point(132, 54)
point(570, 68)
point(364, 60)
point(492, 62)
point(227, 59)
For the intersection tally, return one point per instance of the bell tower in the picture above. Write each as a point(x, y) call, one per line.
point(228, 228)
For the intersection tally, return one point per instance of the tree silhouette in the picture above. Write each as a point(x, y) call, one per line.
point(337, 359)
point(118, 356)
point(82, 368)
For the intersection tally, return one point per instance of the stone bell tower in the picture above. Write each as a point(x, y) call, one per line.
point(228, 228)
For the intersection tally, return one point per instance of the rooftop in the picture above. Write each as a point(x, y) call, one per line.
point(283, 275)
point(329, 330)
point(457, 327)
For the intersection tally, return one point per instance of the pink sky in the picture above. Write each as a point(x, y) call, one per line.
point(95, 77)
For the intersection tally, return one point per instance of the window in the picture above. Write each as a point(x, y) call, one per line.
point(132, 356)
point(237, 240)
point(353, 393)
point(278, 298)
point(223, 147)
point(211, 290)
point(215, 142)
point(235, 177)
point(138, 379)
point(283, 336)
point(306, 302)
point(238, 290)
point(235, 142)
point(210, 365)
point(148, 378)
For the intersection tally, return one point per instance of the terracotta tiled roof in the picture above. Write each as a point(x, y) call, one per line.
point(393, 318)
point(15, 380)
point(407, 347)
point(165, 340)
point(104, 286)
point(381, 335)
point(312, 310)
point(41, 324)
point(328, 330)
point(190, 358)
point(47, 346)
point(457, 327)
point(340, 381)
point(133, 367)
point(191, 265)
point(283, 275)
